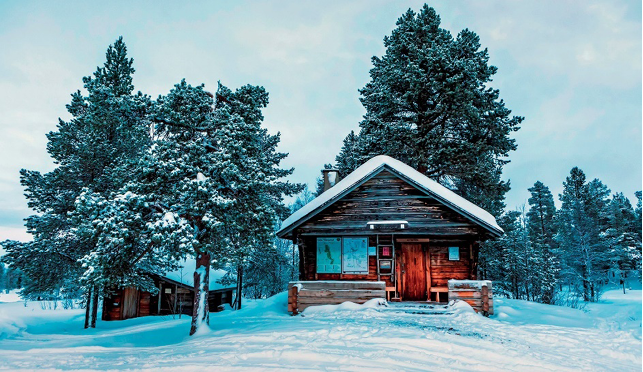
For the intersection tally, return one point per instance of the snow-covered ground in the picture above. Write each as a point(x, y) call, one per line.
point(522, 336)
point(11, 296)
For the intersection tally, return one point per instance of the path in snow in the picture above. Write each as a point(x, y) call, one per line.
point(523, 336)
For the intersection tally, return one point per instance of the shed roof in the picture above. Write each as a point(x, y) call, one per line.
point(373, 167)
point(185, 275)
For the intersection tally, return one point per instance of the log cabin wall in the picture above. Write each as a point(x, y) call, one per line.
point(388, 197)
point(434, 226)
point(171, 298)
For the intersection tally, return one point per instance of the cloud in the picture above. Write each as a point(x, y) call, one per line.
point(572, 68)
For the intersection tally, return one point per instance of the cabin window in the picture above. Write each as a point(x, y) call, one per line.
point(355, 256)
point(454, 253)
point(329, 255)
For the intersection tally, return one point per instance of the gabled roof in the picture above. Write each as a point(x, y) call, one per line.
point(375, 166)
point(185, 275)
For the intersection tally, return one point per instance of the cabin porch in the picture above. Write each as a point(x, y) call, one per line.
point(303, 294)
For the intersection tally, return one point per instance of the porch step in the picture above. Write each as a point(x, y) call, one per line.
point(424, 308)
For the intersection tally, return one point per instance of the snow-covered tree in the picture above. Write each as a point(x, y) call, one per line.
point(251, 169)
point(348, 158)
point(212, 182)
point(581, 219)
point(429, 104)
point(542, 229)
point(109, 127)
point(622, 237)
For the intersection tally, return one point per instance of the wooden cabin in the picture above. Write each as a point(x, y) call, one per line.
point(175, 296)
point(386, 222)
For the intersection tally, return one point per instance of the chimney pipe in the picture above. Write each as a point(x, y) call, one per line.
point(331, 177)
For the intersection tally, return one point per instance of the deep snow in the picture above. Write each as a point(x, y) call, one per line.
point(262, 336)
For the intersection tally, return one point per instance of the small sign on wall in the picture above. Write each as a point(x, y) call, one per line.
point(386, 252)
point(372, 251)
point(454, 253)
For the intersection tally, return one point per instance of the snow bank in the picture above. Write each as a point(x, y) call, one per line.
point(263, 336)
point(12, 296)
point(275, 305)
point(9, 324)
point(461, 307)
point(345, 306)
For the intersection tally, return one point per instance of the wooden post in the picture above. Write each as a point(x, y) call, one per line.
point(427, 259)
point(485, 300)
point(293, 306)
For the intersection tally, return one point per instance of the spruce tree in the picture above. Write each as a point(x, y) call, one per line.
point(638, 224)
point(348, 158)
point(429, 104)
point(213, 182)
point(108, 127)
point(542, 229)
point(581, 219)
point(252, 167)
point(622, 237)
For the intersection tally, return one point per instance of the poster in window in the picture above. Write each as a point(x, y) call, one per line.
point(355, 256)
point(454, 253)
point(329, 255)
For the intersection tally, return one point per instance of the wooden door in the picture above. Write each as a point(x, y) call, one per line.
point(130, 302)
point(413, 273)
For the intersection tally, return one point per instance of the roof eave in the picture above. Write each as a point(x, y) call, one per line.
point(285, 233)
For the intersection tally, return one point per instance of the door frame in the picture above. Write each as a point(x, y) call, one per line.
point(426, 264)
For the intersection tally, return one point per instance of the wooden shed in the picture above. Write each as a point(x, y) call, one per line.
point(175, 296)
point(386, 222)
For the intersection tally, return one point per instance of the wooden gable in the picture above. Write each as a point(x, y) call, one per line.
point(387, 197)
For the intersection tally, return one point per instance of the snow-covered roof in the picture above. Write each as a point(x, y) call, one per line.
point(374, 166)
point(185, 275)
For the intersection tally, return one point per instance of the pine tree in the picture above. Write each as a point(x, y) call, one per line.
point(252, 166)
point(638, 224)
point(348, 158)
point(429, 105)
point(622, 237)
point(109, 127)
point(213, 181)
point(304, 197)
point(581, 219)
point(542, 229)
point(506, 260)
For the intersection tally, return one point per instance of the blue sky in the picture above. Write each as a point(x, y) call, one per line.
point(572, 68)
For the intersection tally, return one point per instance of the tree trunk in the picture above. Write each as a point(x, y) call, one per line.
point(87, 305)
point(200, 308)
point(94, 307)
point(239, 285)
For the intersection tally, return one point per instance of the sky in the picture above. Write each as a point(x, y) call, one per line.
point(571, 68)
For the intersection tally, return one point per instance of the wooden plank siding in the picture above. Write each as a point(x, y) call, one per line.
point(331, 293)
point(421, 265)
point(130, 302)
point(387, 197)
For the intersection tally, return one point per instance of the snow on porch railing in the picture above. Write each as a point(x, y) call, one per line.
point(476, 293)
point(303, 294)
